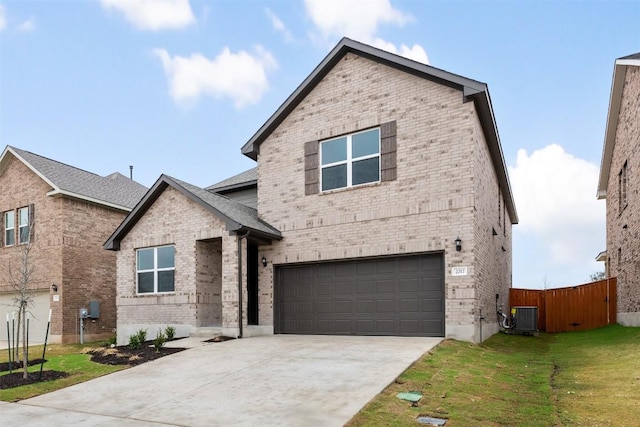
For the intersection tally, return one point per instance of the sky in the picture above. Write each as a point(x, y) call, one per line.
point(178, 86)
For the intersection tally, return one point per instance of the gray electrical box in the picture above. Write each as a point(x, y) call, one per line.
point(526, 319)
point(94, 309)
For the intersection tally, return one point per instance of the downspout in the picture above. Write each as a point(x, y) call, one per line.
point(240, 282)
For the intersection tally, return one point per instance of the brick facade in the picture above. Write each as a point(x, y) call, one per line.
point(206, 270)
point(67, 251)
point(623, 223)
point(446, 187)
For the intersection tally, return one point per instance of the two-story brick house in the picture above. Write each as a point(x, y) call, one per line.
point(65, 214)
point(384, 187)
point(619, 184)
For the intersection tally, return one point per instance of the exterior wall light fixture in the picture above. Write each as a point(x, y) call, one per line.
point(458, 244)
point(264, 262)
point(54, 287)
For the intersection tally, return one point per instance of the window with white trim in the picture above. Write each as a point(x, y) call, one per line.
point(155, 270)
point(9, 228)
point(350, 160)
point(23, 225)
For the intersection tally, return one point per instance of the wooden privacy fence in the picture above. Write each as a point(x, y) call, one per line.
point(576, 308)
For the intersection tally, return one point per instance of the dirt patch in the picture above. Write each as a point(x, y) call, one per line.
point(122, 355)
point(125, 355)
point(15, 379)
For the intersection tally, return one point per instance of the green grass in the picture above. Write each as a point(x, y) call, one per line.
point(69, 358)
point(582, 378)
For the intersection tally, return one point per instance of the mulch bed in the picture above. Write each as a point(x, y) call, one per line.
point(122, 355)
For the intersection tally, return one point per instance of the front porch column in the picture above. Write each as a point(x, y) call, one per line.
point(230, 284)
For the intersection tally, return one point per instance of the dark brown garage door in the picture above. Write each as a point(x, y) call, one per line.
point(382, 296)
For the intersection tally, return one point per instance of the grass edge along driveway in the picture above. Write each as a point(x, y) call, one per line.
point(584, 378)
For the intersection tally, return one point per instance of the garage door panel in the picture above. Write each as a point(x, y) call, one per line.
point(384, 296)
point(365, 306)
point(385, 306)
point(385, 287)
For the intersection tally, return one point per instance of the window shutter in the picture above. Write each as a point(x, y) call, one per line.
point(2, 229)
point(311, 171)
point(388, 148)
point(32, 222)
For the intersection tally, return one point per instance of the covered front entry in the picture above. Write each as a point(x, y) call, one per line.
point(376, 296)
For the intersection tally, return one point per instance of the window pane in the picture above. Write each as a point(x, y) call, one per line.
point(24, 234)
point(365, 143)
point(165, 281)
point(145, 282)
point(165, 257)
point(9, 238)
point(334, 177)
point(9, 220)
point(366, 171)
point(23, 216)
point(145, 259)
point(334, 151)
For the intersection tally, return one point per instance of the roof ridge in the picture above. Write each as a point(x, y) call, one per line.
point(53, 160)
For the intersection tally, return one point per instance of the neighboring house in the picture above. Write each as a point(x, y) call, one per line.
point(619, 184)
point(66, 214)
point(383, 208)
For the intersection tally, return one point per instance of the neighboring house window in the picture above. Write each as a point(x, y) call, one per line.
point(23, 225)
point(155, 269)
point(350, 160)
point(622, 186)
point(9, 228)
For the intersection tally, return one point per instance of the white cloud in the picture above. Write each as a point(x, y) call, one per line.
point(555, 197)
point(360, 20)
point(28, 25)
point(241, 76)
point(154, 14)
point(3, 19)
point(278, 25)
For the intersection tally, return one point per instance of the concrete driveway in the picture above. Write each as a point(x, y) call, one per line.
point(281, 380)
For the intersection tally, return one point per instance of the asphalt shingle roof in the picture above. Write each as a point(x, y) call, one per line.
point(632, 56)
point(241, 214)
point(238, 217)
point(114, 189)
point(243, 179)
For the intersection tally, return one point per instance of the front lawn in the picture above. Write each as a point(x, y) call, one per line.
point(574, 379)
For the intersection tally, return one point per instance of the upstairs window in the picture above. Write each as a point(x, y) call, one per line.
point(622, 187)
point(155, 268)
point(350, 160)
point(9, 228)
point(23, 225)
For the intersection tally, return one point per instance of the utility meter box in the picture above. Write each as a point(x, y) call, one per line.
point(94, 309)
point(83, 313)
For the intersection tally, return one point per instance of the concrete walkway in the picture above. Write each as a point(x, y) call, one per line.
point(281, 380)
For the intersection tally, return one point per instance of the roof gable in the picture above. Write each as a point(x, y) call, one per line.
point(115, 190)
point(615, 102)
point(471, 90)
point(237, 217)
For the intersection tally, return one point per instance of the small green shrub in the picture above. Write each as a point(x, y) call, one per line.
point(170, 332)
point(112, 341)
point(142, 335)
point(134, 341)
point(158, 343)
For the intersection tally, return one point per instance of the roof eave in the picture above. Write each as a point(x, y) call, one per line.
point(617, 86)
point(64, 193)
